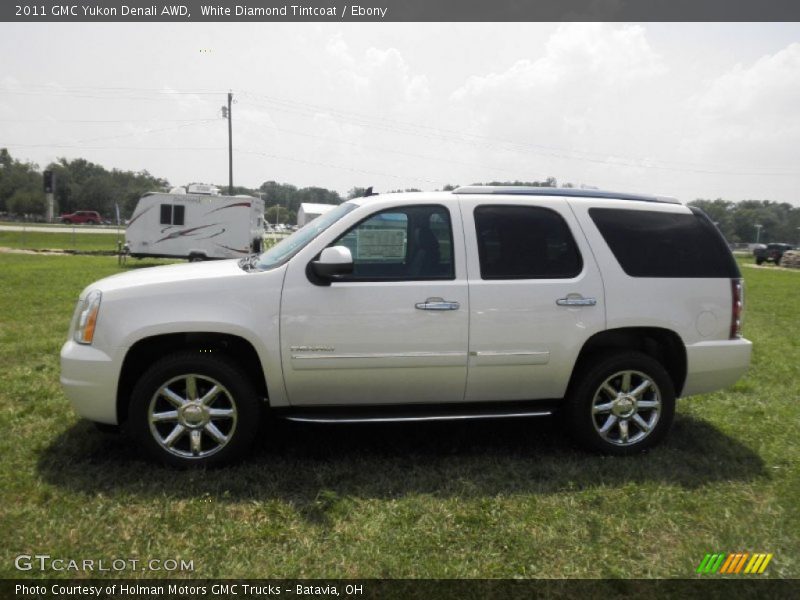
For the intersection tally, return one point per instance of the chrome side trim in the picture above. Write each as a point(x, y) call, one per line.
point(311, 419)
point(377, 355)
point(511, 353)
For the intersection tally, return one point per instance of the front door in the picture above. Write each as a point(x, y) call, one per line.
point(393, 332)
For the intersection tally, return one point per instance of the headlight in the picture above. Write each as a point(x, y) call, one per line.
point(87, 317)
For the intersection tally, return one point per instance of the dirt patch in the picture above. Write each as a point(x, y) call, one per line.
point(770, 268)
point(5, 250)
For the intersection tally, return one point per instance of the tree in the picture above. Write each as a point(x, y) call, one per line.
point(549, 182)
point(21, 181)
point(25, 202)
point(278, 214)
point(737, 220)
point(356, 192)
point(82, 185)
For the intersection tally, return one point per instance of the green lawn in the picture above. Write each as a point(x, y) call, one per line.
point(448, 500)
point(41, 240)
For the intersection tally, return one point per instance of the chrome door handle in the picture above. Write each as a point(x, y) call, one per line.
point(575, 300)
point(437, 304)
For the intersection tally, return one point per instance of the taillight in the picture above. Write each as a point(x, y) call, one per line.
point(737, 307)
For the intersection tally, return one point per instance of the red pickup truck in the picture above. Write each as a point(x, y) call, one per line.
point(83, 216)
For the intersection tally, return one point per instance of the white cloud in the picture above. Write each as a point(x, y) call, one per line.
point(748, 116)
point(769, 88)
point(572, 103)
point(576, 54)
point(382, 77)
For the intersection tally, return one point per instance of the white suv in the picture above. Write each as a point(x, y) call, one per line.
point(480, 303)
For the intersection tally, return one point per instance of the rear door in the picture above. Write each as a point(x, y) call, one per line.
point(536, 295)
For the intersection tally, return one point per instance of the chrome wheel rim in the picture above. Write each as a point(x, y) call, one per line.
point(192, 416)
point(626, 408)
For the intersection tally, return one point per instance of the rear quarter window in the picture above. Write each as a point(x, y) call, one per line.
point(660, 244)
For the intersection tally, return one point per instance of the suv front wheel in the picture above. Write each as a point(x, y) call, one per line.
point(621, 404)
point(194, 409)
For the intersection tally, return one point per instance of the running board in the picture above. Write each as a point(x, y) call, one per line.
point(411, 418)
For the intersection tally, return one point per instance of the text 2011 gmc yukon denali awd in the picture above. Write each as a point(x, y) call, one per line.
point(480, 303)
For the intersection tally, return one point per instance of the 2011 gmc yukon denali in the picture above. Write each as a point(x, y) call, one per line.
point(479, 303)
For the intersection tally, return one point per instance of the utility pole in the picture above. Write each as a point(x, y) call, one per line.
point(226, 114)
point(230, 145)
point(49, 189)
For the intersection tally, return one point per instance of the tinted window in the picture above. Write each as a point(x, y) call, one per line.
point(407, 243)
point(166, 214)
point(525, 242)
point(177, 214)
point(658, 244)
point(172, 214)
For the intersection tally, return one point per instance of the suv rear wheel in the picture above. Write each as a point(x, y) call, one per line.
point(193, 409)
point(622, 404)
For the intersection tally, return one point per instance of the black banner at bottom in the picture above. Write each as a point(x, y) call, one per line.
point(369, 589)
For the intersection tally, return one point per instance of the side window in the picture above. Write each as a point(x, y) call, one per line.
point(177, 214)
point(406, 243)
point(166, 214)
point(647, 243)
point(172, 214)
point(525, 242)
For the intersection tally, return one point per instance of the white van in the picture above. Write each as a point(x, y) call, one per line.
point(195, 226)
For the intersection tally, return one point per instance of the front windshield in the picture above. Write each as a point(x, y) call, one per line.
point(288, 247)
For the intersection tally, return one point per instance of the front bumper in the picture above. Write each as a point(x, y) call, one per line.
point(713, 366)
point(89, 377)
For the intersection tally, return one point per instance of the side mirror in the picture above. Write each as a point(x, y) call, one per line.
point(333, 261)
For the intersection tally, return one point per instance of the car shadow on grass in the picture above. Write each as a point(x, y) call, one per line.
point(300, 463)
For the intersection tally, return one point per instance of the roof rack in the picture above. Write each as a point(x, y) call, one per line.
point(512, 190)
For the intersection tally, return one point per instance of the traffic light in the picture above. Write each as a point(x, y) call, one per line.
point(49, 182)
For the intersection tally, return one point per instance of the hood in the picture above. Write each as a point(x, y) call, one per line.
point(187, 273)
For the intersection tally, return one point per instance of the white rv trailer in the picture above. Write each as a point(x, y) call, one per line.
point(196, 226)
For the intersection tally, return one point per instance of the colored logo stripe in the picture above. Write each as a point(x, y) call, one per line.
point(734, 564)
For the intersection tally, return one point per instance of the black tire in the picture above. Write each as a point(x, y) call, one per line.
point(759, 261)
point(588, 393)
point(236, 397)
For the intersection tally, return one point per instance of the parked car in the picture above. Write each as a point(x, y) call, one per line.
point(771, 253)
point(479, 303)
point(89, 217)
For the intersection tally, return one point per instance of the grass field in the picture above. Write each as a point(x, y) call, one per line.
point(458, 500)
point(39, 240)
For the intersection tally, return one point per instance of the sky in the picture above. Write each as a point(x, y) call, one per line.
point(692, 110)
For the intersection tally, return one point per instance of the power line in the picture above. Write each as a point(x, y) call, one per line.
point(405, 128)
point(99, 121)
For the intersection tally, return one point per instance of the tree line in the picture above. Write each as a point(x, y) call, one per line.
point(779, 221)
point(83, 185)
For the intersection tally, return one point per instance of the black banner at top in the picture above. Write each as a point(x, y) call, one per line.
point(397, 10)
